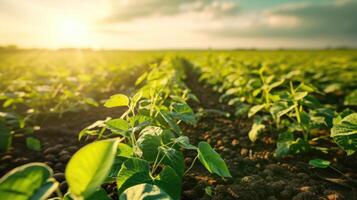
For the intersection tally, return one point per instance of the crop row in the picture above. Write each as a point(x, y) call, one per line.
point(141, 152)
point(300, 101)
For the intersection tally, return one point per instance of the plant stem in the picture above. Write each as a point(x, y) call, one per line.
point(193, 162)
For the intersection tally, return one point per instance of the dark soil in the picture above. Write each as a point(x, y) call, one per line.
point(257, 174)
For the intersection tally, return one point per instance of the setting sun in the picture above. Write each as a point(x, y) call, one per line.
point(72, 32)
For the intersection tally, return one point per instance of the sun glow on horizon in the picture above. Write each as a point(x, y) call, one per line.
point(72, 31)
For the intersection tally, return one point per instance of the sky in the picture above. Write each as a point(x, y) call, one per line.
point(178, 24)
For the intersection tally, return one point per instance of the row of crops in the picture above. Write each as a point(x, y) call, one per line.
point(307, 99)
point(141, 151)
point(37, 84)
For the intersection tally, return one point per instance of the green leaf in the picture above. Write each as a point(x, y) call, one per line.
point(99, 194)
point(136, 171)
point(212, 160)
point(173, 158)
point(117, 100)
point(255, 130)
point(182, 111)
point(286, 144)
point(124, 150)
point(344, 133)
point(168, 180)
point(89, 167)
point(253, 110)
point(33, 144)
point(351, 99)
point(149, 142)
point(30, 181)
point(118, 126)
point(144, 192)
point(133, 172)
point(283, 143)
point(319, 163)
point(184, 142)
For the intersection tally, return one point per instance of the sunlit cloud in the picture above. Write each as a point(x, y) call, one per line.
point(148, 24)
point(125, 10)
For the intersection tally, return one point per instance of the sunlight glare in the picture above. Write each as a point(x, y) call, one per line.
point(72, 32)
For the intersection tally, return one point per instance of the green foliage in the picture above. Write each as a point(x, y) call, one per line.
point(153, 153)
point(319, 163)
point(30, 181)
point(144, 192)
point(33, 144)
point(284, 90)
point(211, 160)
point(117, 101)
point(89, 167)
point(344, 133)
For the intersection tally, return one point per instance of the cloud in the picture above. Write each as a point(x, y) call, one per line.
point(126, 10)
point(305, 20)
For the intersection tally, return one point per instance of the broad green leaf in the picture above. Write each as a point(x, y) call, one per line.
point(134, 171)
point(255, 130)
point(117, 100)
point(118, 126)
point(89, 167)
point(169, 181)
point(182, 111)
point(30, 181)
point(344, 133)
point(33, 144)
point(319, 163)
point(99, 194)
point(124, 150)
point(184, 142)
point(144, 191)
point(212, 160)
point(173, 158)
point(170, 122)
point(253, 110)
point(149, 142)
point(286, 144)
point(283, 142)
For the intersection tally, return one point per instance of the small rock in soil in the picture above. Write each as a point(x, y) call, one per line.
point(305, 189)
point(59, 166)
point(6, 158)
point(60, 177)
point(21, 160)
point(64, 158)
point(244, 152)
point(278, 185)
point(305, 196)
point(50, 157)
point(63, 187)
point(50, 150)
point(63, 152)
point(235, 142)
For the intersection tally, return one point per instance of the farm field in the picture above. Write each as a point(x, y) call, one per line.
point(245, 124)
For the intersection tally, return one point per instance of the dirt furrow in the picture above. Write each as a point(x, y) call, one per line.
point(256, 173)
